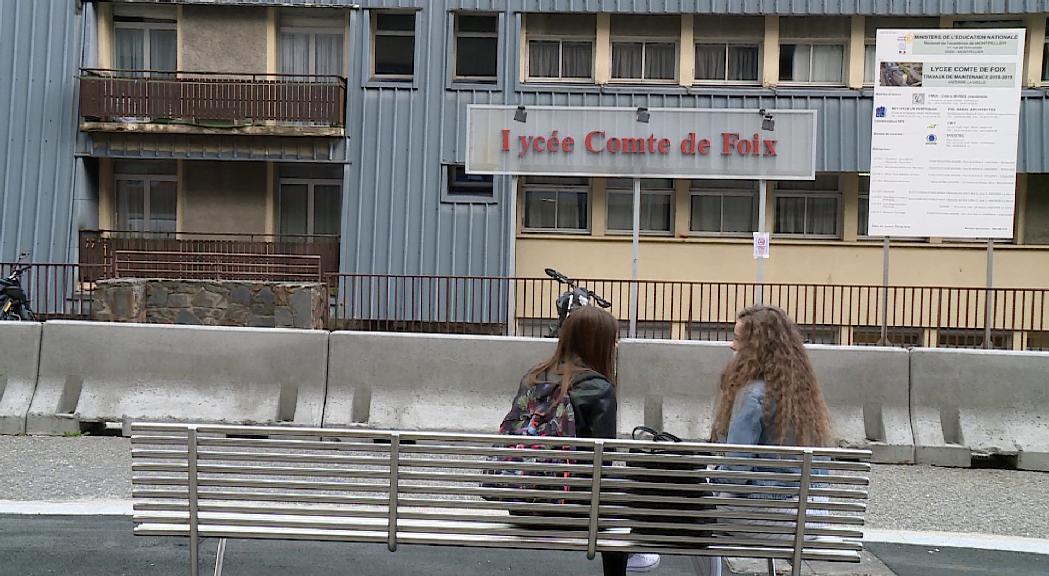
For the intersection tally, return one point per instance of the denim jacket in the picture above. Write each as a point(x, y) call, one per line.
point(747, 426)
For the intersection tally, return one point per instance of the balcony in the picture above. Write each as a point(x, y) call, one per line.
point(212, 103)
point(112, 253)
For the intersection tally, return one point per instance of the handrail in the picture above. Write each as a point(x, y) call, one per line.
point(167, 75)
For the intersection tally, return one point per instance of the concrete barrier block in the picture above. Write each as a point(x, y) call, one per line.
point(676, 384)
point(96, 372)
point(19, 361)
point(867, 391)
point(426, 382)
point(967, 402)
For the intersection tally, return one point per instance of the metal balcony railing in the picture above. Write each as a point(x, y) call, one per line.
point(190, 97)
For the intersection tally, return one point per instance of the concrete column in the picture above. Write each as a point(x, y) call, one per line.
point(179, 36)
point(770, 52)
point(105, 34)
point(1020, 227)
point(1034, 49)
point(603, 49)
point(857, 41)
point(272, 39)
point(682, 207)
point(687, 70)
point(849, 183)
point(106, 194)
point(598, 206)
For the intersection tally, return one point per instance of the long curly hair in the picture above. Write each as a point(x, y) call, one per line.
point(770, 348)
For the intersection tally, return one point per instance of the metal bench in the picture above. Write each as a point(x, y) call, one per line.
point(400, 488)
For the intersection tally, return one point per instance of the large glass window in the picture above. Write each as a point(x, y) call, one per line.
point(561, 59)
point(727, 62)
point(310, 207)
point(633, 60)
point(146, 196)
point(393, 46)
point(870, 62)
point(808, 208)
point(145, 38)
point(476, 47)
point(657, 201)
point(557, 204)
point(811, 63)
point(723, 207)
point(311, 43)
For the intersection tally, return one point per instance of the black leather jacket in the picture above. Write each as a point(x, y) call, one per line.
point(594, 404)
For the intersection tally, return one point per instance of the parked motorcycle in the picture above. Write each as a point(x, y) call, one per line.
point(14, 301)
point(573, 298)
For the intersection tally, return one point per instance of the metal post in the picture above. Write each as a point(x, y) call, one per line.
point(191, 480)
point(884, 340)
point(803, 498)
point(391, 529)
point(220, 556)
point(988, 314)
point(636, 257)
point(511, 261)
point(759, 291)
point(595, 499)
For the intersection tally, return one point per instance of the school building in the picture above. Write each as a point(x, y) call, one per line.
point(337, 128)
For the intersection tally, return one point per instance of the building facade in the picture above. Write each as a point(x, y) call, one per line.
point(337, 128)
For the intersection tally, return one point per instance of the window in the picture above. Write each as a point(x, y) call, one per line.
point(727, 62)
point(557, 204)
point(146, 196)
point(310, 199)
point(645, 329)
point(863, 217)
point(723, 207)
point(870, 62)
point(393, 47)
point(901, 336)
point(811, 63)
point(712, 331)
point(476, 47)
point(657, 201)
point(808, 208)
point(820, 333)
point(145, 38)
point(644, 48)
point(644, 60)
point(973, 338)
point(463, 186)
point(560, 59)
point(1038, 341)
point(560, 47)
point(1045, 59)
point(311, 43)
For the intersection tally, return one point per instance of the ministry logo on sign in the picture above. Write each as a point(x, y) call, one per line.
point(918, 99)
point(880, 112)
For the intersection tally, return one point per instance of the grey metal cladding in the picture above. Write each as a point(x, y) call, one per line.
point(39, 51)
point(781, 7)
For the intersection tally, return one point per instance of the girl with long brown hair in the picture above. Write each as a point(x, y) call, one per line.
point(583, 369)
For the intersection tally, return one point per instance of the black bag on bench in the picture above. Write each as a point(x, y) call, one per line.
point(700, 482)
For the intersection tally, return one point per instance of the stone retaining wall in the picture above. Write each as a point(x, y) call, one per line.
point(212, 303)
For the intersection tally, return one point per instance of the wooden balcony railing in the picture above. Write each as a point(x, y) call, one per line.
point(141, 95)
point(98, 248)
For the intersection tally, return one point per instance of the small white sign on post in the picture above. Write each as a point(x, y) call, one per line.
point(945, 128)
point(761, 245)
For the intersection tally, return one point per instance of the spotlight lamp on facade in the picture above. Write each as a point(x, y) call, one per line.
point(768, 122)
point(643, 115)
point(521, 115)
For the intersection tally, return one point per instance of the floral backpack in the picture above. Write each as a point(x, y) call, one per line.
point(539, 410)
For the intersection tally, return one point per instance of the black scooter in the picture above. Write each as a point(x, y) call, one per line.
point(14, 302)
point(573, 298)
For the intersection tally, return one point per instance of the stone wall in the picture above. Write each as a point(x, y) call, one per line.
point(212, 303)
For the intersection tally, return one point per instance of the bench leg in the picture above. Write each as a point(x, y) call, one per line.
point(219, 557)
point(772, 567)
point(706, 565)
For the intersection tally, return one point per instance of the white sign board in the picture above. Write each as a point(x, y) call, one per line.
point(670, 143)
point(761, 245)
point(944, 140)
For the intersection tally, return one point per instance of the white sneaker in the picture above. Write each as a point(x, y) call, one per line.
point(642, 562)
